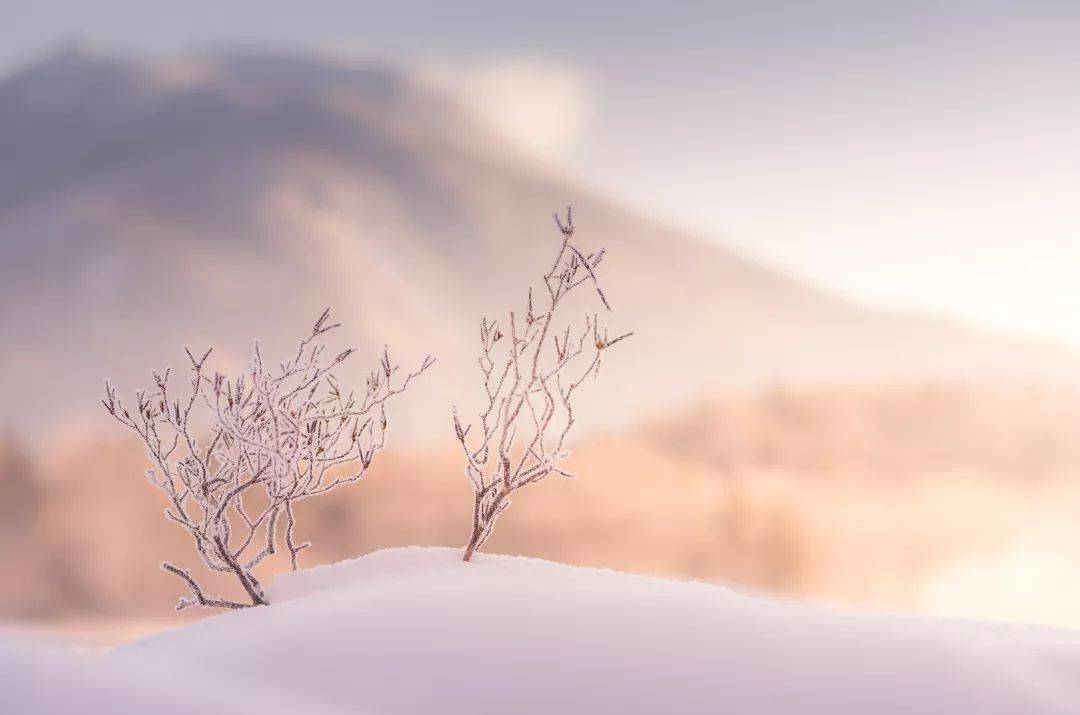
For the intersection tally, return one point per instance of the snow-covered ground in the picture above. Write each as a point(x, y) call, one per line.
point(417, 631)
point(45, 679)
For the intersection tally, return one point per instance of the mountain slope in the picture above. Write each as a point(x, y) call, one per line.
point(212, 199)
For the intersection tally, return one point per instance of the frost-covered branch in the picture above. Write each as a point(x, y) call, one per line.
point(530, 378)
point(234, 455)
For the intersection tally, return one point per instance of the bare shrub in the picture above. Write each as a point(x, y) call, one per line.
point(530, 379)
point(267, 440)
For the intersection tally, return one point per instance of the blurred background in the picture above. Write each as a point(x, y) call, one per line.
point(844, 233)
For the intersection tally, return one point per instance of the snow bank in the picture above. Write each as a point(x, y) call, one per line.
point(417, 631)
point(39, 679)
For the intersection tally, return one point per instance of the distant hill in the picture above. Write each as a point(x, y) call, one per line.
point(147, 204)
point(897, 432)
point(893, 496)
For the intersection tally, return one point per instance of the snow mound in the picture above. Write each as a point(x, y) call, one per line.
point(42, 679)
point(417, 631)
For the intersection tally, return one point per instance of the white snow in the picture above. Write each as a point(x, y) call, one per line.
point(44, 679)
point(418, 631)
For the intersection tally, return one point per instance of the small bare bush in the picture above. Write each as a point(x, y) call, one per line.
point(234, 456)
point(531, 377)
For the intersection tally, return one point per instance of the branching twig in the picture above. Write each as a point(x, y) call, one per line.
point(284, 432)
point(529, 383)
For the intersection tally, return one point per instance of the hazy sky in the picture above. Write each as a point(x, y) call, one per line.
point(911, 154)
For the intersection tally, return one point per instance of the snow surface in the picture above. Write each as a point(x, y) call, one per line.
point(418, 631)
point(43, 679)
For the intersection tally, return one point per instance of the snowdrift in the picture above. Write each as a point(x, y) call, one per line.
point(44, 679)
point(417, 631)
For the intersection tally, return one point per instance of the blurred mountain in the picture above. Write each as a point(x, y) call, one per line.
point(895, 432)
point(148, 204)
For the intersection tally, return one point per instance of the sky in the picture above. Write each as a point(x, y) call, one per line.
point(913, 155)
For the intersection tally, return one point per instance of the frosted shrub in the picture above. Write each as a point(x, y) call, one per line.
point(233, 456)
point(531, 376)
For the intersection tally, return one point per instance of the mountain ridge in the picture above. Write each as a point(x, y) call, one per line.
point(216, 198)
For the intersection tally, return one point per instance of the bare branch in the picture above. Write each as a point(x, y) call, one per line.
point(200, 599)
point(289, 433)
point(529, 403)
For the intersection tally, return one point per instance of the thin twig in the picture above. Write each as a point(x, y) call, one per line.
point(527, 399)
